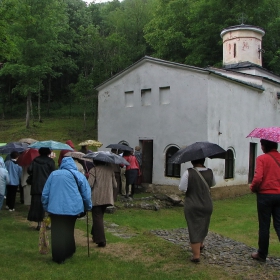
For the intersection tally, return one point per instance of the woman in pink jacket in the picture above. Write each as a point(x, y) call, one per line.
point(266, 184)
point(131, 172)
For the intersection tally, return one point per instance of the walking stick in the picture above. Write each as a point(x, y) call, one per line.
point(87, 235)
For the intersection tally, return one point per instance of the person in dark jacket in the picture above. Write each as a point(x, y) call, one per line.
point(66, 194)
point(40, 168)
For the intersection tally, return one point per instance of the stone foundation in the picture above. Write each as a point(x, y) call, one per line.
point(216, 192)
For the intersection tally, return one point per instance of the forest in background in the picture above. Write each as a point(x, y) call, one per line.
point(54, 53)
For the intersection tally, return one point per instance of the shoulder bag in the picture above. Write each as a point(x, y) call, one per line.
point(274, 159)
point(81, 215)
point(202, 178)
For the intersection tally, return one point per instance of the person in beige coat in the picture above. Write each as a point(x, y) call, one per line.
point(102, 182)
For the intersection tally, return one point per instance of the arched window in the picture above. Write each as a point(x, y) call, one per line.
point(171, 169)
point(229, 164)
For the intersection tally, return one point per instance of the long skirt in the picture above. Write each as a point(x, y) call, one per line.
point(62, 237)
point(198, 219)
point(36, 212)
point(131, 176)
point(97, 230)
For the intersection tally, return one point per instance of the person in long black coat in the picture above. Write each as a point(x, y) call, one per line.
point(40, 168)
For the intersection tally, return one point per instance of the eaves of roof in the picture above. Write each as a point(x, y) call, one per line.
point(259, 88)
point(172, 64)
point(233, 70)
point(151, 59)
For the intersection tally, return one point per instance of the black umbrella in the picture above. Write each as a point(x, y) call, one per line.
point(198, 150)
point(120, 147)
point(13, 146)
point(106, 157)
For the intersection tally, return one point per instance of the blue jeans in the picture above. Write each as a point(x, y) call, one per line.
point(268, 205)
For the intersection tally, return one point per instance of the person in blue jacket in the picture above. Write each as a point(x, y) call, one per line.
point(15, 172)
point(66, 194)
point(4, 180)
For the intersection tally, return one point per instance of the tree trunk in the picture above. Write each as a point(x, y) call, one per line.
point(28, 108)
point(49, 94)
point(85, 126)
point(39, 103)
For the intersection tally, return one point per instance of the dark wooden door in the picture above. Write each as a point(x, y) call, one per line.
point(252, 161)
point(147, 161)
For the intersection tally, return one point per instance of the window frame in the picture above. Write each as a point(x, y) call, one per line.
point(171, 169)
point(229, 164)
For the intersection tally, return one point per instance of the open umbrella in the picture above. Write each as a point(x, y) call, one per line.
point(27, 140)
point(93, 143)
point(120, 147)
point(107, 157)
point(13, 146)
point(53, 145)
point(78, 155)
point(267, 133)
point(27, 157)
point(198, 150)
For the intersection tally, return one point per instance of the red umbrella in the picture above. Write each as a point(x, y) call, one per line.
point(27, 157)
point(267, 133)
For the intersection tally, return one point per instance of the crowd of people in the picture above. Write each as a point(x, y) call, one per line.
point(63, 194)
point(79, 186)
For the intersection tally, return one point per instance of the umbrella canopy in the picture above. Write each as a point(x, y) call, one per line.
point(27, 157)
point(120, 147)
point(53, 145)
point(93, 143)
point(198, 150)
point(77, 155)
point(13, 146)
point(107, 157)
point(267, 133)
point(27, 140)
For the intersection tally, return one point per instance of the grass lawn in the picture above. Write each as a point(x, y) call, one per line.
point(143, 256)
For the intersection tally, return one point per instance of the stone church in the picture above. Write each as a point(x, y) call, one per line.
point(163, 106)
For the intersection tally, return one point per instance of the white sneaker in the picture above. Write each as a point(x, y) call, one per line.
point(11, 210)
point(7, 207)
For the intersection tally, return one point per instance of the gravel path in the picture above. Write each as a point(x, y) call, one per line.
point(233, 256)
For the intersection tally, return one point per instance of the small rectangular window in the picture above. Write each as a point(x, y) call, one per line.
point(234, 50)
point(164, 95)
point(129, 99)
point(146, 97)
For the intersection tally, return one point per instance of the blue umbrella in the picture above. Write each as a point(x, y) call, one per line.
point(53, 145)
point(13, 146)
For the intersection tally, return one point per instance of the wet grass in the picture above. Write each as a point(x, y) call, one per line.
point(144, 256)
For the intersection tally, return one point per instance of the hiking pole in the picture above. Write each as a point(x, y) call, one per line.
point(87, 234)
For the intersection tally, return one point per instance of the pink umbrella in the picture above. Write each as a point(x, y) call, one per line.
point(267, 133)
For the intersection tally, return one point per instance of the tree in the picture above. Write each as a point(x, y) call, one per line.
point(35, 32)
